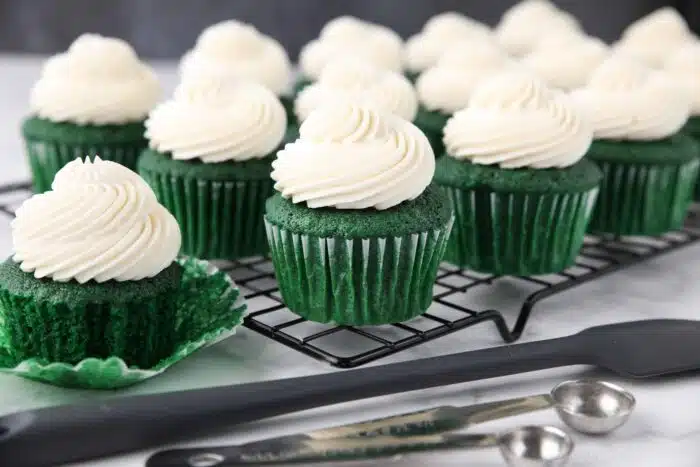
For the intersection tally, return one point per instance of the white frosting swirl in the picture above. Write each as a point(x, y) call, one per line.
point(626, 100)
point(567, 61)
point(347, 36)
point(237, 50)
point(654, 36)
point(438, 35)
point(514, 120)
point(98, 80)
point(362, 83)
point(354, 157)
point(100, 222)
point(530, 21)
point(684, 66)
point(448, 86)
point(217, 120)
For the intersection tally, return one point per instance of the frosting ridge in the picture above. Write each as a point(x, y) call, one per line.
point(363, 83)
point(627, 100)
point(684, 66)
point(350, 156)
point(514, 120)
point(100, 222)
point(232, 49)
point(98, 80)
point(217, 120)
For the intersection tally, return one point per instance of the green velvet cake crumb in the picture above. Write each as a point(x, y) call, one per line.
point(253, 169)
point(582, 176)
point(430, 210)
point(68, 322)
point(73, 133)
point(431, 124)
point(692, 128)
point(675, 150)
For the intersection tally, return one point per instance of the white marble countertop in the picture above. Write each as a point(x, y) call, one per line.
point(665, 429)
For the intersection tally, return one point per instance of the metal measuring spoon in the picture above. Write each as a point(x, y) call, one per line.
point(588, 406)
point(527, 446)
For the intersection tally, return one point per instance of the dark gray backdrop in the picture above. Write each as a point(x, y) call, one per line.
point(166, 28)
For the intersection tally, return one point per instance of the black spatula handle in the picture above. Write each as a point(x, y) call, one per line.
point(51, 436)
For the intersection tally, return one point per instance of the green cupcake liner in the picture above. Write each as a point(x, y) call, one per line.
point(219, 219)
point(517, 233)
point(641, 199)
point(46, 158)
point(357, 281)
point(692, 128)
point(210, 308)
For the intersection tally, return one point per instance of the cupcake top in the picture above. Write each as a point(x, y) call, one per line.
point(237, 50)
point(98, 80)
point(100, 222)
point(217, 120)
point(347, 36)
point(360, 82)
point(654, 36)
point(351, 156)
point(566, 61)
point(625, 100)
point(515, 120)
point(437, 36)
point(448, 86)
point(684, 66)
point(524, 25)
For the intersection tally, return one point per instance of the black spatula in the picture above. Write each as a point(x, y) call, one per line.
point(56, 435)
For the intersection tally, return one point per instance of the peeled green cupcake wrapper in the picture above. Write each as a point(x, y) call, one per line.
point(357, 281)
point(517, 233)
point(638, 199)
point(46, 158)
point(203, 287)
point(218, 219)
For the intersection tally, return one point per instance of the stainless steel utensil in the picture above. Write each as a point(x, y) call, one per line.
point(588, 406)
point(526, 446)
point(87, 430)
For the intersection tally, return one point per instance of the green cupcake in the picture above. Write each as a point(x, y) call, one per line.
point(232, 49)
point(650, 167)
point(209, 163)
point(513, 169)
point(90, 100)
point(356, 231)
point(447, 86)
point(94, 272)
point(684, 66)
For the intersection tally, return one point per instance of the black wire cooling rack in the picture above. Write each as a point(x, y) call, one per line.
point(455, 304)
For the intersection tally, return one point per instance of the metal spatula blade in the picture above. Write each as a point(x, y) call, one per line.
point(64, 434)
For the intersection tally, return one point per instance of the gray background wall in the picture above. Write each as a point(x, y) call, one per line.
point(166, 28)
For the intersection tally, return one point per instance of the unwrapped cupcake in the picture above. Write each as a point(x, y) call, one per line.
point(515, 174)
point(361, 82)
point(211, 147)
point(447, 87)
point(347, 36)
point(567, 61)
point(684, 67)
point(238, 51)
point(439, 34)
point(90, 100)
point(649, 165)
point(528, 22)
point(652, 38)
point(356, 229)
point(95, 282)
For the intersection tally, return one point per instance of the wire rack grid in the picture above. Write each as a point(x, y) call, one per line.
point(452, 308)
